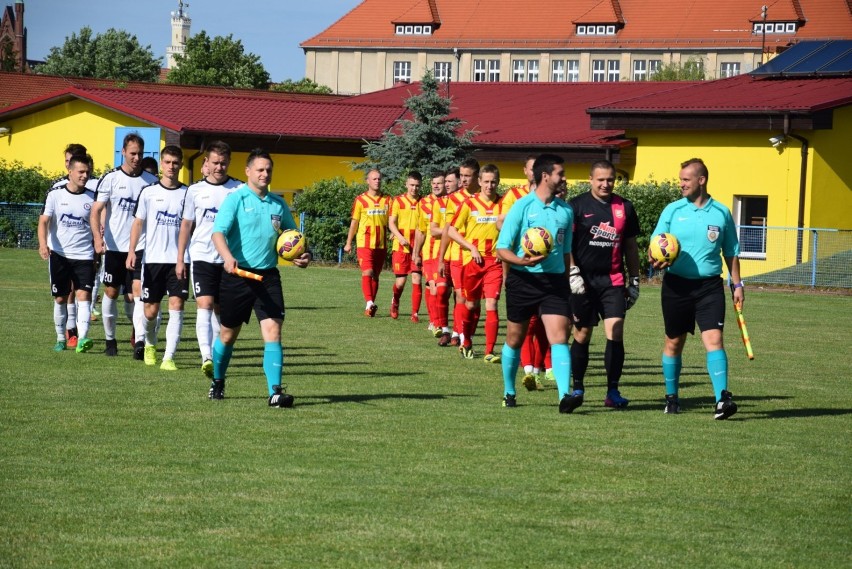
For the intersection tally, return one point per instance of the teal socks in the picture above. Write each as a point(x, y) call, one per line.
point(221, 358)
point(671, 372)
point(509, 358)
point(273, 360)
point(560, 356)
point(717, 367)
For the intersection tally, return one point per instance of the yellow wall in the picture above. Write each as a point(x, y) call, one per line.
point(40, 138)
point(831, 178)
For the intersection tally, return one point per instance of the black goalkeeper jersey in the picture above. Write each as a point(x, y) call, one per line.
point(599, 232)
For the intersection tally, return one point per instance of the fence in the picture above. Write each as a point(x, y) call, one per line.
point(769, 255)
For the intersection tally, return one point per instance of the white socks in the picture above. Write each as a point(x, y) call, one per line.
point(60, 316)
point(84, 312)
point(109, 312)
point(173, 330)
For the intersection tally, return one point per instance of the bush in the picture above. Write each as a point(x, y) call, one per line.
point(327, 206)
point(649, 198)
point(23, 184)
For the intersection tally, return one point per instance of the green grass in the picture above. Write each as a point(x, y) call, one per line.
point(831, 271)
point(398, 453)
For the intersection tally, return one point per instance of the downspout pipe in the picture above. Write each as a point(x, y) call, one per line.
point(803, 181)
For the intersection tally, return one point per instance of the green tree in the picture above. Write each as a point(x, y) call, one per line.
point(115, 54)
point(301, 86)
point(327, 205)
point(8, 56)
point(691, 70)
point(219, 61)
point(429, 142)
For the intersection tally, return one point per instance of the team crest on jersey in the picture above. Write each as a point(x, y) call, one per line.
point(712, 233)
point(87, 206)
point(560, 236)
point(276, 222)
point(619, 213)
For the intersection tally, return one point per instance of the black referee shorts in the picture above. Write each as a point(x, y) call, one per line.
point(689, 301)
point(529, 294)
point(238, 296)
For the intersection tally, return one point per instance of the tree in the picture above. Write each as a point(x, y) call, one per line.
point(8, 56)
point(220, 61)
point(429, 143)
point(692, 70)
point(301, 86)
point(115, 54)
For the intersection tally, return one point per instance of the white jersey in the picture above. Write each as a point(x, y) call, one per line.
point(202, 204)
point(69, 233)
point(120, 192)
point(91, 184)
point(160, 208)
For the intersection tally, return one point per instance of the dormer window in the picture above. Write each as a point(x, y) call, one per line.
point(775, 27)
point(595, 30)
point(412, 30)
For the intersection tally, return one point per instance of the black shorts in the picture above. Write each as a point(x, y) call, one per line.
point(64, 272)
point(529, 294)
point(238, 296)
point(206, 278)
point(115, 273)
point(690, 301)
point(596, 304)
point(159, 280)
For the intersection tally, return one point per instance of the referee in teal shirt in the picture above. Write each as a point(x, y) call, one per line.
point(693, 290)
point(245, 233)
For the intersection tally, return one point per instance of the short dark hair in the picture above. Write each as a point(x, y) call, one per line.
point(150, 162)
point(702, 167)
point(471, 163)
point(490, 169)
point(75, 148)
point(415, 175)
point(133, 137)
point(172, 150)
point(258, 153)
point(452, 171)
point(544, 165)
point(601, 165)
point(219, 147)
point(81, 158)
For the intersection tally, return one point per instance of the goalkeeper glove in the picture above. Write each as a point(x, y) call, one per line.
point(632, 292)
point(576, 281)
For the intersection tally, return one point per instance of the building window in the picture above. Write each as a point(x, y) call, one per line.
point(598, 70)
point(581, 30)
point(409, 30)
point(588, 30)
point(402, 72)
point(532, 70)
point(443, 71)
point(654, 66)
point(479, 70)
point(427, 30)
point(791, 28)
point(729, 70)
point(600, 30)
point(413, 30)
point(610, 30)
point(518, 70)
point(573, 71)
point(750, 212)
point(775, 28)
point(640, 70)
point(557, 71)
point(494, 70)
point(400, 30)
point(612, 71)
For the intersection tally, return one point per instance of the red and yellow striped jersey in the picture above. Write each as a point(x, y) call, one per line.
point(372, 216)
point(454, 202)
point(476, 219)
point(424, 208)
point(439, 208)
point(407, 218)
point(514, 194)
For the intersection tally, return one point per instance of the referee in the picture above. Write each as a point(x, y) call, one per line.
point(245, 234)
point(693, 291)
point(538, 285)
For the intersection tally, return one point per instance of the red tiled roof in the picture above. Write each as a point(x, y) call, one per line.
point(223, 113)
point(17, 87)
point(743, 94)
point(529, 114)
point(604, 12)
point(649, 24)
point(422, 12)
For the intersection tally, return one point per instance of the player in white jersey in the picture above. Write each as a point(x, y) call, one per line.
point(202, 204)
point(117, 193)
point(64, 238)
point(157, 216)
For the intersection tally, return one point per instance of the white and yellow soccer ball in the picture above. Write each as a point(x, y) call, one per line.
point(537, 241)
point(291, 244)
point(664, 248)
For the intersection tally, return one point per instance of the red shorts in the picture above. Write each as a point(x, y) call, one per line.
point(482, 281)
point(402, 264)
point(372, 259)
point(456, 274)
point(430, 270)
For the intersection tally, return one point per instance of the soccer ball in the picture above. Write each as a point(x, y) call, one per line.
point(537, 241)
point(664, 248)
point(291, 244)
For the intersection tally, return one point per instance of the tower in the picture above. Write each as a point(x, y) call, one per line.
point(13, 38)
point(180, 33)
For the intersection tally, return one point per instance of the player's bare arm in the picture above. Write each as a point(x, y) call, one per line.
point(454, 234)
point(353, 228)
point(396, 233)
point(183, 243)
point(508, 256)
point(135, 233)
point(97, 227)
point(43, 250)
point(733, 264)
point(222, 247)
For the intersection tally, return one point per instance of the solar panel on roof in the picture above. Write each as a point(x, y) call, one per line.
point(810, 58)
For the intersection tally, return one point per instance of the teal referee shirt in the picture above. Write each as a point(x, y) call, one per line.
point(703, 234)
point(530, 211)
point(251, 226)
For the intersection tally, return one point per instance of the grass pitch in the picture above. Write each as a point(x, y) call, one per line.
point(399, 454)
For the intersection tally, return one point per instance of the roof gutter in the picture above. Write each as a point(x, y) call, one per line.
point(803, 180)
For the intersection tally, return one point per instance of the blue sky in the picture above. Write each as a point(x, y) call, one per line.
point(271, 29)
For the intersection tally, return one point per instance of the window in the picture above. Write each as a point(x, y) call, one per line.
point(557, 71)
point(402, 72)
point(605, 30)
point(479, 70)
point(427, 30)
point(640, 70)
point(581, 30)
point(413, 30)
point(610, 30)
point(654, 66)
point(775, 28)
point(443, 71)
point(494, 70)
point(791, 28)
point(600, 30)
point(750, 212)
point(573, 68)
point(400, 29)
point(418, 30)
point(532, 70)
point(518, 70)
point(612, 71)
point(729, 70)
point(598, 70)
point(409, 29)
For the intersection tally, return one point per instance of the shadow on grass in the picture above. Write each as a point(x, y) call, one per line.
point(311, 400)
point(792, 413)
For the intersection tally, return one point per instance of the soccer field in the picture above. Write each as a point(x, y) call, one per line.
point(398, 453)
